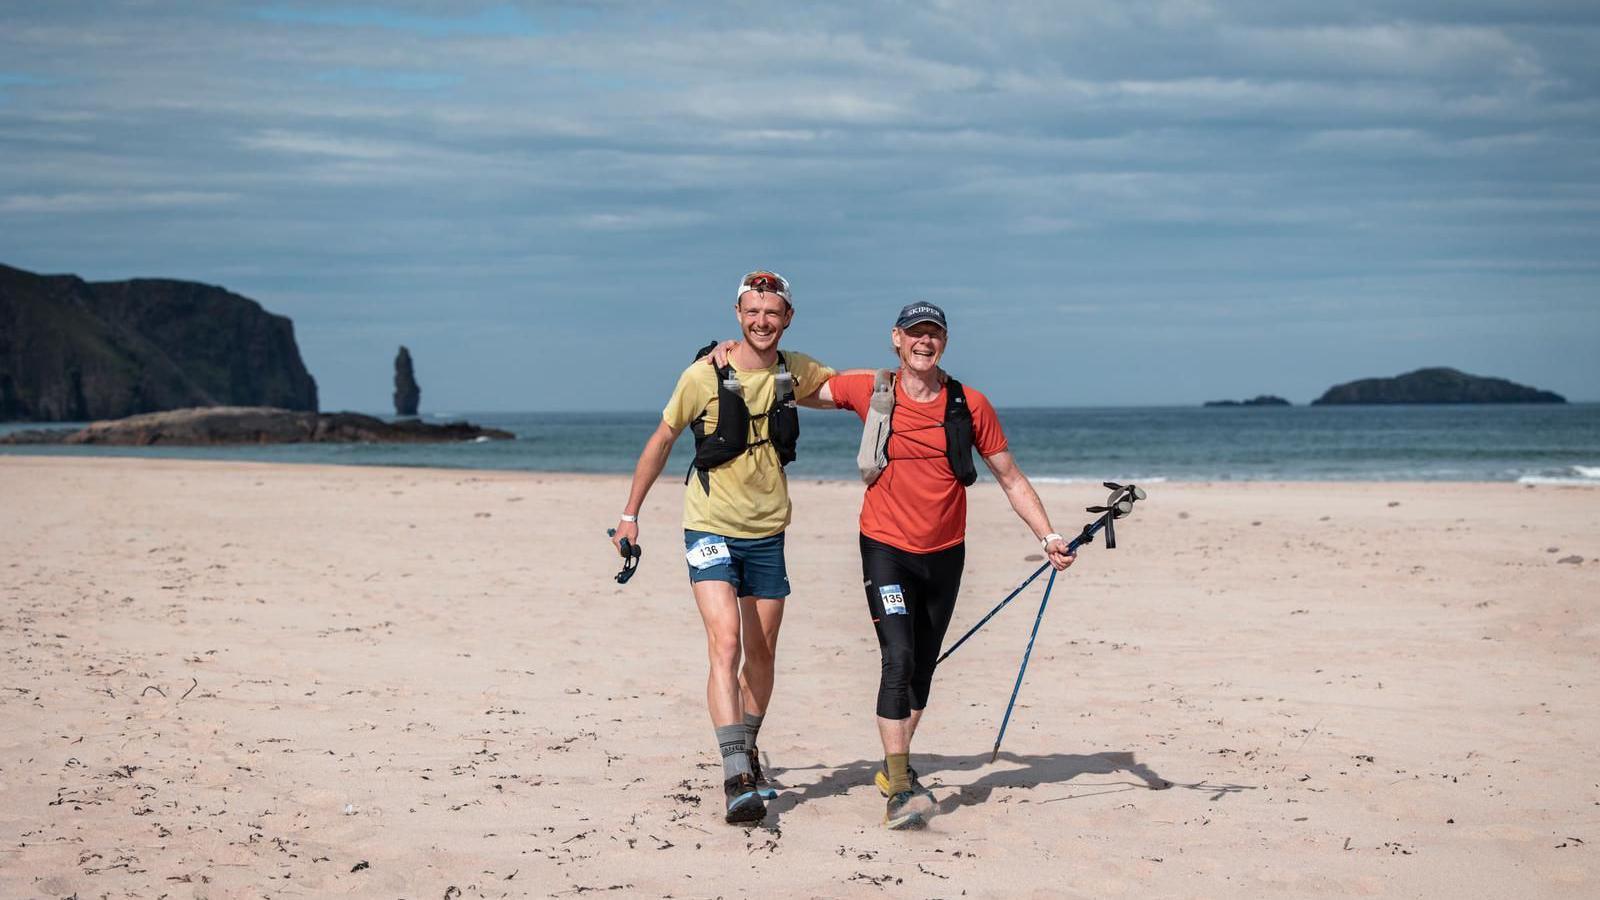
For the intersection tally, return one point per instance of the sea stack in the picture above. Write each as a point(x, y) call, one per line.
point(406, 392)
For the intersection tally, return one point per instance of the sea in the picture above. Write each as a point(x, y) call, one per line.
point(1531, 444)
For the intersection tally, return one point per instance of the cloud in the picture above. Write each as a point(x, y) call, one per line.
point(495, 20)
point(1156, 164)
point(80, 202)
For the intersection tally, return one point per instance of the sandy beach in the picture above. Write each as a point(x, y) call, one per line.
point(240, 680)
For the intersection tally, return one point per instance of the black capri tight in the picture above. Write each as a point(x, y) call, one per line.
point(911, 597)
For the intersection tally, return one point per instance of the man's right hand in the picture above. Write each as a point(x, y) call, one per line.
point(624, 530)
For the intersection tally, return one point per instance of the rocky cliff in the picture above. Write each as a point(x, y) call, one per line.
point(1438, 385)
point(72, 350)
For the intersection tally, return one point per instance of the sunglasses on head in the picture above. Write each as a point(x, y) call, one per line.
point(766, 283)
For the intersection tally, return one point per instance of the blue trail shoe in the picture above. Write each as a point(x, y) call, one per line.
point(745, 806)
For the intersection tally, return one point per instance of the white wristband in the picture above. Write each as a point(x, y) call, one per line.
point(1044, 542)
point(628, 518)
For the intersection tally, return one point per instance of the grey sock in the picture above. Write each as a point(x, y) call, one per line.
point(753, 723)
point(731, 741)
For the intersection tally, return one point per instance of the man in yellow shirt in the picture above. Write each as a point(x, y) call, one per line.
point(735, 510)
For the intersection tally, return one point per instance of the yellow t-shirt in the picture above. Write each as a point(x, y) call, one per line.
point(749, 495)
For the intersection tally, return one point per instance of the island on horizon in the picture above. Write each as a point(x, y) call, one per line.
point(1258, 400)
point(1439, 384)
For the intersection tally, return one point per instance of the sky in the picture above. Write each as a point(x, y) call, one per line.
point(1116, 203)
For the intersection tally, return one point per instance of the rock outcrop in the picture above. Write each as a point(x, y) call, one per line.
point(1436, 385)
point(72, 350)
point(407, 393)
point(214, 425)
point(1260, 400)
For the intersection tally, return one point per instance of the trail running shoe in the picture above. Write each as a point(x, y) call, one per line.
point(745, 806)
point(906, 811)
point(763, 786)
point(882, 781)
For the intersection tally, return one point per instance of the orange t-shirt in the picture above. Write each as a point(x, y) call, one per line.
point(917, 504)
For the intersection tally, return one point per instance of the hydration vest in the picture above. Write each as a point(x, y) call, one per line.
point(873, 456)
point(731, 437)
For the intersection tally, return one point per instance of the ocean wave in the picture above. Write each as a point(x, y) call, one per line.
point(1571, 475)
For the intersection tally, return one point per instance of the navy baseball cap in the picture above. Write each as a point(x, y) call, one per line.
point(920, 312)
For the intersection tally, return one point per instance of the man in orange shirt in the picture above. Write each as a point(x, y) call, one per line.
point(921, 429)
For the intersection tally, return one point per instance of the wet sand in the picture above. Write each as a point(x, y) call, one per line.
point(240, 680)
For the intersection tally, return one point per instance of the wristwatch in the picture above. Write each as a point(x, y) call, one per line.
point(1044, 542)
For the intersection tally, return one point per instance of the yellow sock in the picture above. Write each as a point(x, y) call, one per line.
point(898, 765)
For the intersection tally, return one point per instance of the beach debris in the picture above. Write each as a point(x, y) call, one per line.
point(361, 865)
point(349, 809)
point(1574, 559)
point(452, 892)
point(1569, 842)
point(877, 881)
point(1393, 503)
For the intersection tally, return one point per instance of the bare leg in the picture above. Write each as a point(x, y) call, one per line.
point(762, 619)
point(895, 734)
point(719, 609)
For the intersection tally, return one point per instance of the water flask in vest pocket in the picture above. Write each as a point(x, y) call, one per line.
point(785, 385)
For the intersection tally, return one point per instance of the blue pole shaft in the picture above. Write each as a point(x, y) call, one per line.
point(1024, 668)
point(1072, 547)
point(983, 621)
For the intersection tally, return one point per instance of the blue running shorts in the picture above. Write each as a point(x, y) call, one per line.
point(754, 566)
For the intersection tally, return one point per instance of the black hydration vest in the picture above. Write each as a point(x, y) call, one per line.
point(958, 433)
point(731, 437)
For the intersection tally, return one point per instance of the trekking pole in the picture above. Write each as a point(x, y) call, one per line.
point(981, 622)
point(1118, 505)
point(1023, 668)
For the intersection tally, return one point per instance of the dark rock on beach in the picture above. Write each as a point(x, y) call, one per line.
point(1260, 400)
point(73, 350)
point(38, 436)
point(209, 426)
point(1436, 385)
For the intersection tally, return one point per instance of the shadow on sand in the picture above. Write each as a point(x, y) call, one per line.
point(1012, 771)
